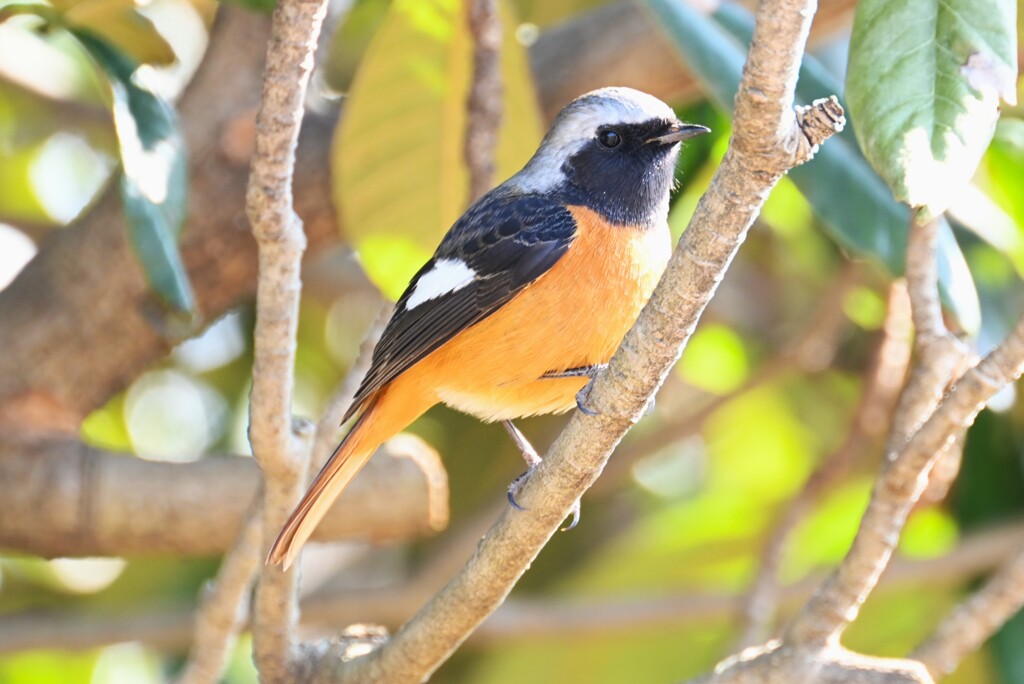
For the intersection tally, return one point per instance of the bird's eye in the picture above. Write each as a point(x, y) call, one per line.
point(609, 138)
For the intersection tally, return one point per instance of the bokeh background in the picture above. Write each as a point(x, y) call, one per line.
point(648, 587)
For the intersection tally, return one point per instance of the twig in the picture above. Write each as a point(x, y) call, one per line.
point(224, 609)
point(280, 447)
point(906, 470)
point(838, 601)
point(484, 103)
point(881, 390)
point(975, 620)
point(768, 140)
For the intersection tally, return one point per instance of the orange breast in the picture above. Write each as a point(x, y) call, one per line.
point(574, 315)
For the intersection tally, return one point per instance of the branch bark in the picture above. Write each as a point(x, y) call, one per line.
point(64, 498)
point(975, 620)
point(280, 445)
point(485, 91)
point(78, 324)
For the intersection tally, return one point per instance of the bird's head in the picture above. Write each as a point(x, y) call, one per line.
point(613, 150)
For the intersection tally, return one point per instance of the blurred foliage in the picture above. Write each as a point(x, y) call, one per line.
point(398, 154)
point(118, 38)
point(686, 517)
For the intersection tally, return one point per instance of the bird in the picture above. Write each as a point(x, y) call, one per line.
point(529, 293)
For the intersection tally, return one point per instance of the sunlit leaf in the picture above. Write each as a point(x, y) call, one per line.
point(924, 82)
point(853, 203)
point(153, 183)
point(401, 180)
point(121, 24)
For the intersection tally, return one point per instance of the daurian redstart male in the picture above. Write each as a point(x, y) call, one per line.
point(530, 291)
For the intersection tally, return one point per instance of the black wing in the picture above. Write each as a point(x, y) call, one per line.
point(508, 242)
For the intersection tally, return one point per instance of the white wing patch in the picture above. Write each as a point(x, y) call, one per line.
point(447, 275)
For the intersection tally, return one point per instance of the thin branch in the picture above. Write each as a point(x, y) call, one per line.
point(280, 446)
point(768, 140)
point(975, 620)
point(878, 398)
point(941, 357)
point(485, 91)
point(224, 609)
point(838, 601)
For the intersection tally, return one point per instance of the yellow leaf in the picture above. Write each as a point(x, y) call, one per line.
point(120, 23)
point(400, 178)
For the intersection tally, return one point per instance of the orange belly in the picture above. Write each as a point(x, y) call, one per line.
point(574, 315)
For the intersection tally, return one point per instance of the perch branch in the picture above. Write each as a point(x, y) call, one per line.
point(768, 140)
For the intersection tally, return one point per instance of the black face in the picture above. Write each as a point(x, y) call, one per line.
point(622, 174)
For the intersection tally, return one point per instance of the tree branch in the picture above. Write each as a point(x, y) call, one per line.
point(280, 445)
point(79, 323)
point(838, 601)
point(64, 498)
point(975, 620)
point(224, 606)
point(485, 92)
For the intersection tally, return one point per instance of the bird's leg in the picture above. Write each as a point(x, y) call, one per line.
point(530, 454)
point(533, 460)
point(581, 372)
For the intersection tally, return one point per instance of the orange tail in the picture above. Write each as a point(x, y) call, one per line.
point(380, 421)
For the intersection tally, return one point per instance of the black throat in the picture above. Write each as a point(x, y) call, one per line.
point(628, 185)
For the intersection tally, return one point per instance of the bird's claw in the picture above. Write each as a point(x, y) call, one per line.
point(575, 518)
point(581, 399)
point(516, 485)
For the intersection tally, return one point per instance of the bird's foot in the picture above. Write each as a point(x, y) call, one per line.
point(581, 400)
point(517, 484)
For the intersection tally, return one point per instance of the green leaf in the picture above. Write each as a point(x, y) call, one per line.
point(154, 180)
point(924, 82)
point(854, 205)
point(120, 23)
point(401, 180)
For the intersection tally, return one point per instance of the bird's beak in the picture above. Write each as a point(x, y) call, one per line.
point(678, 133)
